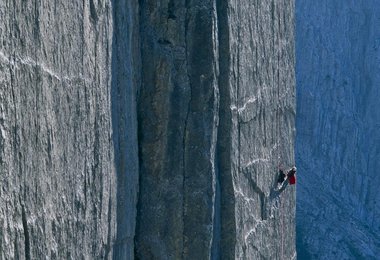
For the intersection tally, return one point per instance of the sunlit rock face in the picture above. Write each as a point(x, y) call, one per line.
point(57, 177)
point(146, 129)
point(338, 115)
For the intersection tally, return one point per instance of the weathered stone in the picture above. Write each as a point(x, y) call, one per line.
point(216, 117)
point(146, 129)
point(56, 175)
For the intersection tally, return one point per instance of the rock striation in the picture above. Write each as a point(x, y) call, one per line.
point(146, 129)
point(216, 116)
point(58, 186)
point(337, 129)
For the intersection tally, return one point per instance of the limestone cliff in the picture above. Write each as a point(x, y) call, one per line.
point(146, 129)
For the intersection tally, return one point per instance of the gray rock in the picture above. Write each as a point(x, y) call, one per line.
point(57, 174)
point(338, 129)
point(146, 129)
point(216, 117)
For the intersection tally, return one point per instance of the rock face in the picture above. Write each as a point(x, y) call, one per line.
point(146, 129)
point(58, 185)
point(216, 115)
point(338, 52)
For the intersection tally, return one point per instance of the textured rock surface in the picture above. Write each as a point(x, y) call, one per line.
point(338, 53)
point(58, 183)
point(216, 116)
point(188, 104)
point(125, 81)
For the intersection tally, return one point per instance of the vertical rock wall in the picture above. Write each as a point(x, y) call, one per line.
point(216, 117)
point(56, 175)
point(338, 129)
point(178, 116)
point(125, 81)
point(146, 129)
point(257, 119)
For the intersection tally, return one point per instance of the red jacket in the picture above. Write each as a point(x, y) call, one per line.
point(292, 177)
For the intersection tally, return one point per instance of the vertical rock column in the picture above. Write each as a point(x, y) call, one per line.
point(57, 183)
point(256, 132)
point(126, 73)
point(178, 114)
point(216, 117)
point(189, 103)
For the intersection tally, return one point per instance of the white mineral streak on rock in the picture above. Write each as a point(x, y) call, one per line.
point(146, 129)
point(40, 65)
point(57, 174)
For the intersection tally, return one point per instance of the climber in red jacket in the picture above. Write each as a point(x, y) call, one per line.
point(290, 176)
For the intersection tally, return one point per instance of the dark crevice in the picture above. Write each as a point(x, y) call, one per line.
point(185, 131)
point(171, 8)
point(93, 13)
point(26, 233)
point(261, 194)
point(139, 97)
point(215, 248)
point(184, 173)
point(224, 247)
point(108, 245)
point(184, 168)
point(263, 206)
point(164, 41)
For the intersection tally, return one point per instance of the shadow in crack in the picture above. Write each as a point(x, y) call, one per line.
point(124, 123)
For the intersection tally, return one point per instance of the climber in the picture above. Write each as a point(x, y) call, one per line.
point(290, 176)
